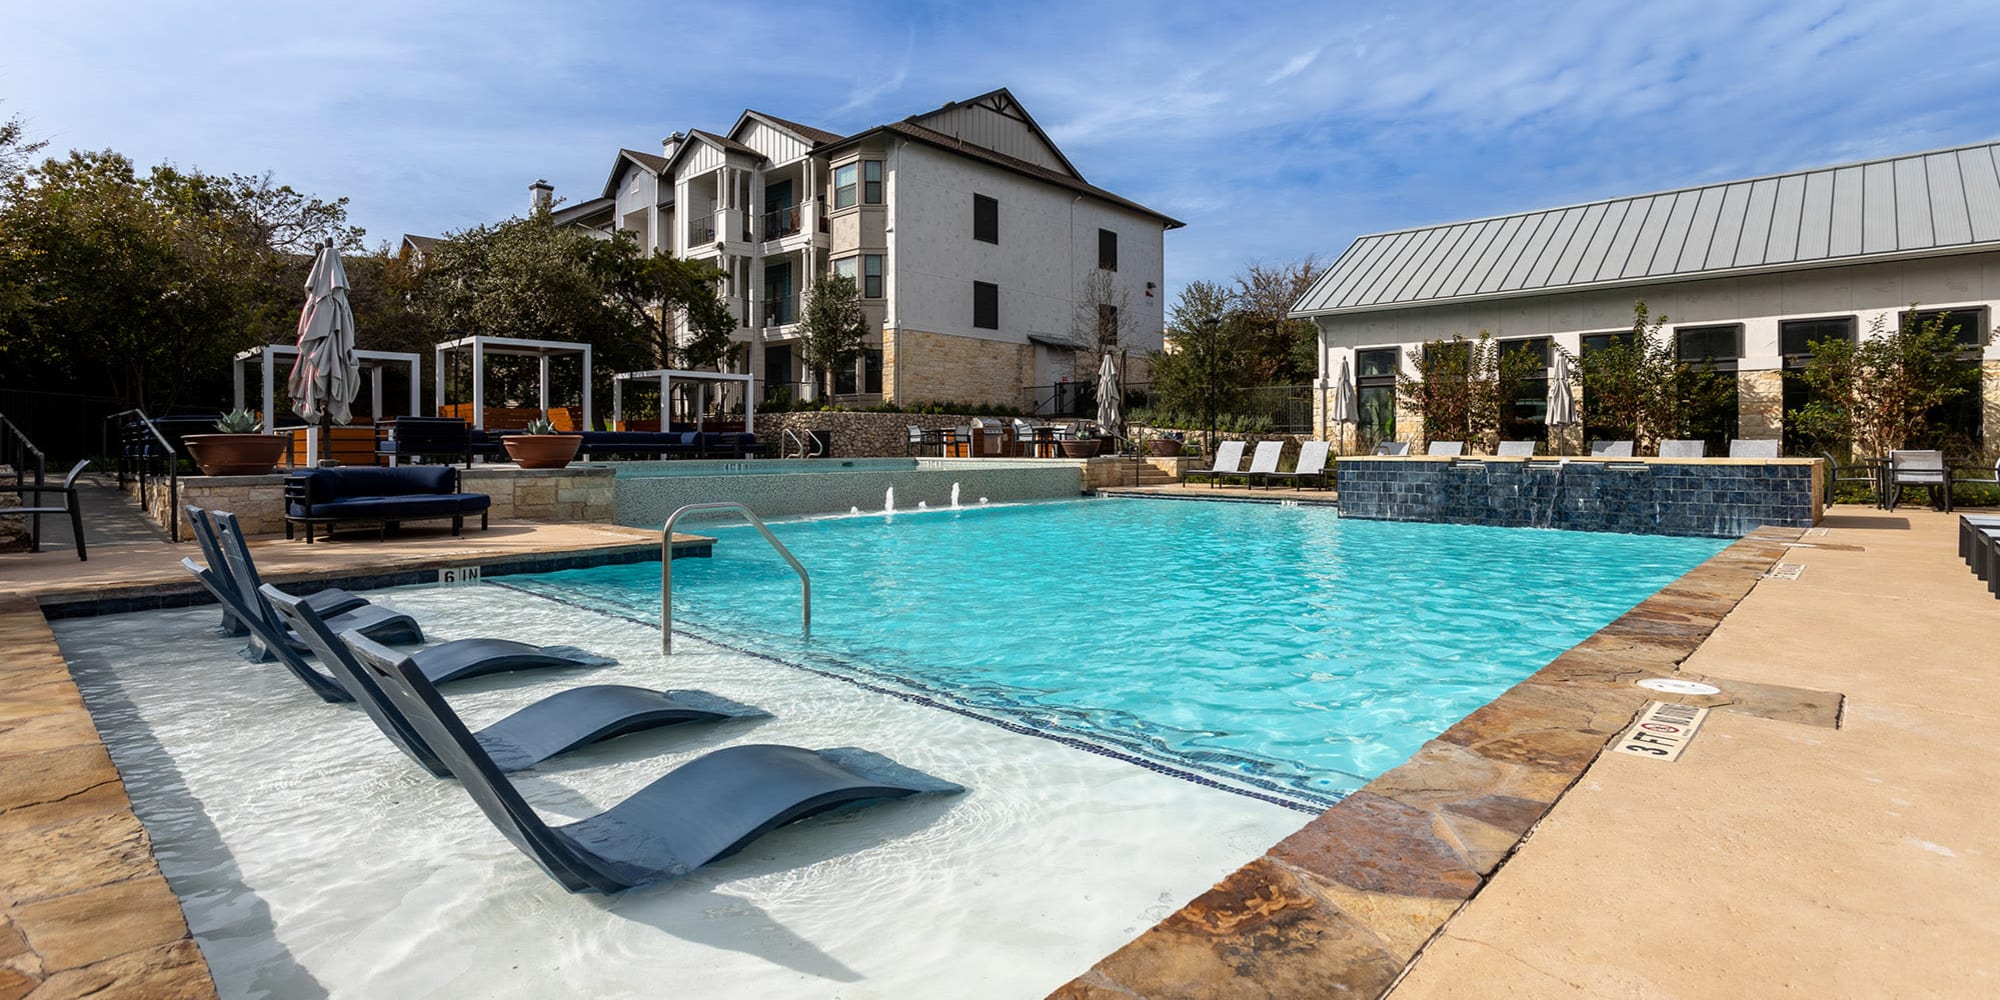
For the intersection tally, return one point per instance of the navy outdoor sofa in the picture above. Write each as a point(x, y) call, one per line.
point(385, 496)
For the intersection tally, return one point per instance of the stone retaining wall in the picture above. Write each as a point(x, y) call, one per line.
point(856, 434)
point(15, 533)
point(581, 493)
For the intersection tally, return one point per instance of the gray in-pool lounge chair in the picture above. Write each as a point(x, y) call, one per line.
point(1682, 448)
point(1311, 466)
point(331, 601)
point(705, 809)
point(1391, 449)
point(1445, 449)
point(1516, 449)
point(381, 623)
point(1611, 449)
point(1264, 462)
point(226, 594)
point(1753, 447)
point(554, 725)
point(1228, 462)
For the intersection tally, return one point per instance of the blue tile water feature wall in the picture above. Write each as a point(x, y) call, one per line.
point(1714, 499)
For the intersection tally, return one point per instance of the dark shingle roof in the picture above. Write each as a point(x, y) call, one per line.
point(1923, 203)
point(648, 160)
point(816, 136)
point(724, 142)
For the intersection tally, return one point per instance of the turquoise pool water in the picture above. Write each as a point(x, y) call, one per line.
point(1279, 651)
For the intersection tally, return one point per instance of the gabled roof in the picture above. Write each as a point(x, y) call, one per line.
point(1003, 103)
point(723, 141)
point(645, 161)
point(1921, 204)
point(814, 137)
point(1038, 172)
point(421, 244)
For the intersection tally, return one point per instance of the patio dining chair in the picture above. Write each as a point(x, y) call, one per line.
point(33, 509)
point(1837, 474)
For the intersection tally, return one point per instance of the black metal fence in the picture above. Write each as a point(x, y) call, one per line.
point(1276, 409)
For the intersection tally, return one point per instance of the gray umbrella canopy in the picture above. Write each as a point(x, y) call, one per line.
point(1110, 398)
point(327, 376)
point(1341, 411)
point(1562, 398)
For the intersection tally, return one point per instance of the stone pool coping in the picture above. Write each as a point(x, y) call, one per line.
point(1343, 905)
point(1347, 903)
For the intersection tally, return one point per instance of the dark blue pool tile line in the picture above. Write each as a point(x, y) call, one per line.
point(1309, 803)
point(191, 594)
point(1715, 501)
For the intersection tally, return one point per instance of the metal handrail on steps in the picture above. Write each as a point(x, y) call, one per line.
point(667, 568)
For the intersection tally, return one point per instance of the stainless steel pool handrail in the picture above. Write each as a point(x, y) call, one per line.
point(667, 568)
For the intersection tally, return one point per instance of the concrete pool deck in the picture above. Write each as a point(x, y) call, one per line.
point(1780, 852)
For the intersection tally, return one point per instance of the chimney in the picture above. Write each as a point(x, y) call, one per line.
point(672, 144)
point(541, 197)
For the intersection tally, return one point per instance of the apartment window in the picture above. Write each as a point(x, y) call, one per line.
point(1796, 336)
point(1107, 250)
point(1717, 345)
point(871, 370)
point(1526, 416)
point(843, 184)
point(848, 267)
point(1375, 395)
point(985, 305)
point(871, 182)
point(985, 219)
point(1603, 341)
point(871, 276)
point(1968, 324)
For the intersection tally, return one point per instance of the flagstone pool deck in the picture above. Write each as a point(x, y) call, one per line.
point(1827, 833)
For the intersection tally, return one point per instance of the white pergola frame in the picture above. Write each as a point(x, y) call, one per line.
point(666, 377)
point(481, 346)
point(372, 362)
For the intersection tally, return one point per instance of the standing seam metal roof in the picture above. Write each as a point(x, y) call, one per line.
point(1922, 202)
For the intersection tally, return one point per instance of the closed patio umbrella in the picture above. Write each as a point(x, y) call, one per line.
point(1562, 397)
point(1110, 398)
point(327, 376)
point(1342, 410)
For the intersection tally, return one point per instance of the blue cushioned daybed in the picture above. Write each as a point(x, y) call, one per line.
point(384, 496)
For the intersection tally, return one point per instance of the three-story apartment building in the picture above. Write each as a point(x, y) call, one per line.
point(974, 241)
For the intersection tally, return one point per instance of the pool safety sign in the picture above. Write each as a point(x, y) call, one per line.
point(458, 576)
point(1663, 730)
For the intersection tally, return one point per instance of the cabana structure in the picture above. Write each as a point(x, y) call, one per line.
point(481, 346)
point(702, 380)
point(372, 362)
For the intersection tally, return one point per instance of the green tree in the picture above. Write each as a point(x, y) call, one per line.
point(1883, 393)
point(832, 326)
point(16, 152)
point(656, 288)
point(1461, 388)
point(1638, 388)
point(1278, 350)
point(1203, 359)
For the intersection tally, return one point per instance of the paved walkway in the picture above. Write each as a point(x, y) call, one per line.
point(1775, 858)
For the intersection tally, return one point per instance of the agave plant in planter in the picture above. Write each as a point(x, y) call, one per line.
point(539, 446)
point(237, 448)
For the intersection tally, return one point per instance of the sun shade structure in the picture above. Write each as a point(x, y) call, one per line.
point(667, 377)
point(373, 365)
point(1920, 205)
point(482, 346)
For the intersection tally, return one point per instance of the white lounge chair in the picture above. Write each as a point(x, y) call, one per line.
point(1681, 448)
point(1611, 449)
point(1516, 449)
point(1265, 461)
point(1445, 449)
point(1312, 465)
point(1228, 462)
point(1753, 448)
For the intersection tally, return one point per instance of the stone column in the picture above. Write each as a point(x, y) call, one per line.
point(1989, 403)
point(1760, 403)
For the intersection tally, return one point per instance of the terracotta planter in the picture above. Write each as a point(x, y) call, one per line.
point(542, 451)
point(1080, 449)
point(1165, 447)
point(236, 454)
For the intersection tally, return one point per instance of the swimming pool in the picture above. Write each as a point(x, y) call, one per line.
point(1276, 651)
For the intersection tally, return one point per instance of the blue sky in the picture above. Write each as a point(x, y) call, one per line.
point(1274, 130)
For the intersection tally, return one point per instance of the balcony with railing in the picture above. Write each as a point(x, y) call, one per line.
point(782, 222)
point(781, 310)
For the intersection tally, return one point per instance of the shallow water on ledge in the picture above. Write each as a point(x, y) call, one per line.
point(1281, 650)
point(313, 859)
